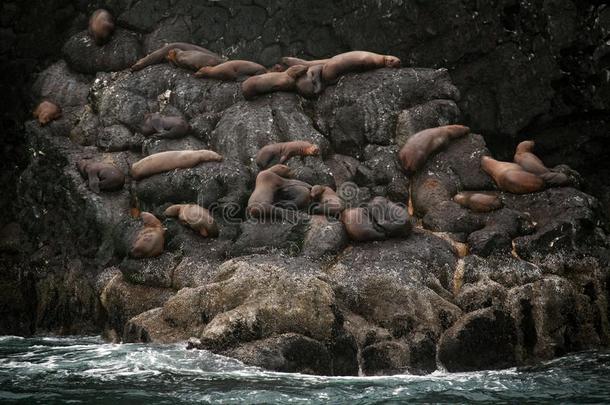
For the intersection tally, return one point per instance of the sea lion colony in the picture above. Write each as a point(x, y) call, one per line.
point(275, 192)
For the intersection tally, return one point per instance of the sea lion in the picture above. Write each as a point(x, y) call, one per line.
point(392, 218)
point(150, 239)
point(281, 152)
point(232, 70)
point(293, 194)
point(360, 226)
point(325, 201)
point(421, 145)
point(260, 203)
point(356, 61)
point(170, 160)
point(311, 84)
point(511, 177)
point(525, 157)
point(292, 61)
point(192, 60)
point(160, 55)
point(101, 26)
point(101, 176)
point(478, 201)
point(46, 112)
point(164, 127)
point(272, 82)
point(196, 217)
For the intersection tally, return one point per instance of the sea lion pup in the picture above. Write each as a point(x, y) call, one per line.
point(292, 61)
point(272, 82)
point(311, 84)
point(356, 61)
point(160, 55)
point(525, 157)
point(170, 160)
point(101, 26)
point(390, 217)
point(478, 201)
point(232, 70)
point(192, 60)
point(325, 201)
point(280, 152)
point(101, 176)
point(421, 145)
point(196, 217)
point(360, 226)
point(150, 239)
point(46, 112)
point(164, 127)
point(511, 177)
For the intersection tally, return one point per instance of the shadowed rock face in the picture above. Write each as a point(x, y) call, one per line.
point(296, 295)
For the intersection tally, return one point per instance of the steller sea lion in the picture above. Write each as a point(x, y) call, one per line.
point(356, 61)
point(232, 70)
point(46, 112)
point(525, 157)
point(101, 176)
point(192, 60)
point(292, 61)
point(325, 201)
point(160, 55)
point(360, 226)
point(511, 177)
point(170, 160)
point(164, 127)
point(272, 82)
point(196, 217)
point(149, 240)
point(101, 26)
point(260, 203)
point(421, 145)
point(280, 152)
point(478, 201)
point(311, 84)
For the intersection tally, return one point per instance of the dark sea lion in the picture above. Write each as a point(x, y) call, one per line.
point(281, 152)
point(293, 194)
point(272, 82)
point(292, 61)
point(164, 127)
point(150, 239)
point(101, 26)
point(356, 61)
point(360, 226)
point(101, 176)
point(160, 55)
point(511, 177)
point(525, 157)
point(421, 145)
point(311, 84)
point(392, 218)
point(170, 160)
point(478, 201)
point(196, 217)
point(325, 201)
point(192, 60)
point(46, 112)
point(232, 70)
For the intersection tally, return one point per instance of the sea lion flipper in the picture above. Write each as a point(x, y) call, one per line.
point(94, 182)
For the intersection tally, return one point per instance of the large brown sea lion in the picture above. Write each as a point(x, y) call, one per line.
point(232, 70)
point(280, 152)
point(164, 127)
point(192, 60)
point(170, 160)
point(101, 26)
point(160, 55)
point(46, 112)
point(311, 83)
point(150, 239)
point(511, 177)
point(272, 82)
point(356, 61)
point(525, 157)
point(325, 201)
point(196, 217)
point(101, 176)
point(292, 61)
point(478, 201)
point(421, 145)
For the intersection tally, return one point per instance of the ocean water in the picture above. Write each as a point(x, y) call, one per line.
point(86, 370)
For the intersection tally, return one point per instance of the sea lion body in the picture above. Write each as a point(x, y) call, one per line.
point(292, 61)
point(160, 55)
point(101, 26)
point(101, 176)
point(359, 225)
point(232, 70)
point(326, 201)
point(260, 203)
point(421, 145)
point(280, 152)
point(196, 217)
point(525, 157)
point(511, 177)
point(310, 84)
point(192, 60)
point(150, 239)
point(478, 202)
point(170, 160)
point(164, 127)
point(293, 194)
point(272, 82)
point(46, 112)
point(356, 61)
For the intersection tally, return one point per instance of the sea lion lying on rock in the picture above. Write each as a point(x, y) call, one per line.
point(421, 145)
point(160, 55)
point(272, 82)
point(196, 217)
point(164, 127)
point(280, 152)
point(101, 176)
point(150, 239)
point(325, 201)
point(380, 219)
point(46, 112)
point(232, 70)
point(356, 61)
point(511, 177)
point(170, 160)
point(524, 157)
point(478, 201)
point(101, 26)
point(192, 60)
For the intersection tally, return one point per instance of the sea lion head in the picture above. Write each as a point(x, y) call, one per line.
point(391, 61)
point(526, 146)
point(316, 192)
point(172, 54)
point(460, 198)
point(281, 170)
point(296, 71)
point(203, 71)
point(312, 150)
point(150, 220)
point(278, 67)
